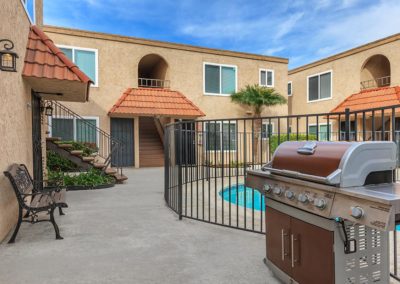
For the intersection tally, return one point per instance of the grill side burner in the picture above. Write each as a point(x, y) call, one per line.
point(338, 189)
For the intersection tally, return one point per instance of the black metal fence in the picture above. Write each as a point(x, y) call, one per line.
point(70, 126)
point(206, 160)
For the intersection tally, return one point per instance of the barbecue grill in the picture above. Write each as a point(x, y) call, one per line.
point(330, 207)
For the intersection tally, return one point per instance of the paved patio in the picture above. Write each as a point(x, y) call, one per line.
point(127, 235)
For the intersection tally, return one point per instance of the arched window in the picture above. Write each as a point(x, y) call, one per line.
point(375, 72)
point(152, 71)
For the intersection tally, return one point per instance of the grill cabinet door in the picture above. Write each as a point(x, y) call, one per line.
point(312, 252)
point(278, 239)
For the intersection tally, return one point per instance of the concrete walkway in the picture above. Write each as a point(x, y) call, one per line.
point(127, 235)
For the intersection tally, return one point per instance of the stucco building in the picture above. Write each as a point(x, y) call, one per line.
point(165, 82)
point(364, 77)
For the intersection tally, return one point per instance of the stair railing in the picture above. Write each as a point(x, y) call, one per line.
point(70, 126)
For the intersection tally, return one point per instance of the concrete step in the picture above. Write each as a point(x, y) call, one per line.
point(120, 178)
point(99, 165)
point(65, 146)
point(88, 159)
point(52, 139)
point(111, 171)
point(76, 152)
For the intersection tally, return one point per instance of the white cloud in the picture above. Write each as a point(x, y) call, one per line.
point(358, 28)
point(273, 50)
point(287, 26)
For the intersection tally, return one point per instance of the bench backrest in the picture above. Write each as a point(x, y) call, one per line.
point(20, 179)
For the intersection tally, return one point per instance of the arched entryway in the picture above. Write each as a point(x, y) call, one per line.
point(153, 71)
point(375, 72)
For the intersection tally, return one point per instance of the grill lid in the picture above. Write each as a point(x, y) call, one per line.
point(344, 164)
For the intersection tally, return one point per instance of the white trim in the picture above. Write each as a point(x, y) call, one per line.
point(96, 56)
point(221, 135)
point(220, 74)
point(319, 75)
point(96, 118)
point(291, 88)
point(266, 77)
point(24, 3)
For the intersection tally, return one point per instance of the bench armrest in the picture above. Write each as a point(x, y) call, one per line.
point(42, 186)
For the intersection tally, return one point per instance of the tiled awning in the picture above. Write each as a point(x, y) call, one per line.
point(50, 72)
point(372, 98)
point(154, 102)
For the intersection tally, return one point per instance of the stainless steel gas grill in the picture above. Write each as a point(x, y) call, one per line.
point(329, 209)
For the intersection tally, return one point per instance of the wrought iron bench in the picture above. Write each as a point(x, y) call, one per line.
point(34, 199)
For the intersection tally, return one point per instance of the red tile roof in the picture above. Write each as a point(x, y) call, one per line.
point(152, 102)
point(372, 98)
point(45, 60)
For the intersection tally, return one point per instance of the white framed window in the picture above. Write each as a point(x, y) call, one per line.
point(220, 135)
point(289, 88)
point(267, 130)
point(319, 87)
point(85, 58)
point(219, 79)
point(29, 6)
point(324, 132)
point(74, 129)
point(267, 77)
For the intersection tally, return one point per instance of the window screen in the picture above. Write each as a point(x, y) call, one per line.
point(325, 86)
point(228, 80)
point(63, 128)
point(263, 78)
point(313, 88)
point(212, 79)
point(269, 78)
point(86, 132)
point(86, 61)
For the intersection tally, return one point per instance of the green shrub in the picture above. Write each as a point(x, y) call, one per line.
point(91, 178)
point(55, 162)
point(292, 137)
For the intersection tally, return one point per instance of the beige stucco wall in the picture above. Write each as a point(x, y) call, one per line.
point(118, 70)
point(15, 122)
point(346, 78)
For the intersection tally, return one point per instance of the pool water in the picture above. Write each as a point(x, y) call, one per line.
point(243, 196)
point(242, 193)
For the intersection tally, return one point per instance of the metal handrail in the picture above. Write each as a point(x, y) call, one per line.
point(153, 83)
point(375, 83)
point(107, 146)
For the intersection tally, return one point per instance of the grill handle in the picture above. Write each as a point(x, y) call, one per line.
point(295, 249)
point(308, 148)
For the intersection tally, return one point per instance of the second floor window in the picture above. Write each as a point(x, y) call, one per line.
point(266, 78)
point(29, 6)
point(85, 59)
point(320, 86)
point(219, 79)
point(289, 89)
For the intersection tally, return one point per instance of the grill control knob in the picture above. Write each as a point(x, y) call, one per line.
point(303, 198)
point(320, 203)
point(357, 212)
point(267, 188)
point(277, 190)
point(289, 194)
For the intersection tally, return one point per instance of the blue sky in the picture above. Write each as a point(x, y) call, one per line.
point(301, 30)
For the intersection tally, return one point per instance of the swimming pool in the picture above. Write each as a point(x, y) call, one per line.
point(243, 196)
point(247, 194)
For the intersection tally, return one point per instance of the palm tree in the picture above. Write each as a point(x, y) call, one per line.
point(257, 97)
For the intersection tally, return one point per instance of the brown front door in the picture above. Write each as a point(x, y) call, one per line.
point(313, 259)
point(278, 239)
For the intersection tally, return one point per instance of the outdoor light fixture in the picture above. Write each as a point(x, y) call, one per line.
point(8, 58)
point(47, 109)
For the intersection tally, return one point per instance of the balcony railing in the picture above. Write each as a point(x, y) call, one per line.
point(153, 83)
point(375, 83)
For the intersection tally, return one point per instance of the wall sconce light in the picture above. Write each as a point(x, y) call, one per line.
point(8, 58)
point(47, 109)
